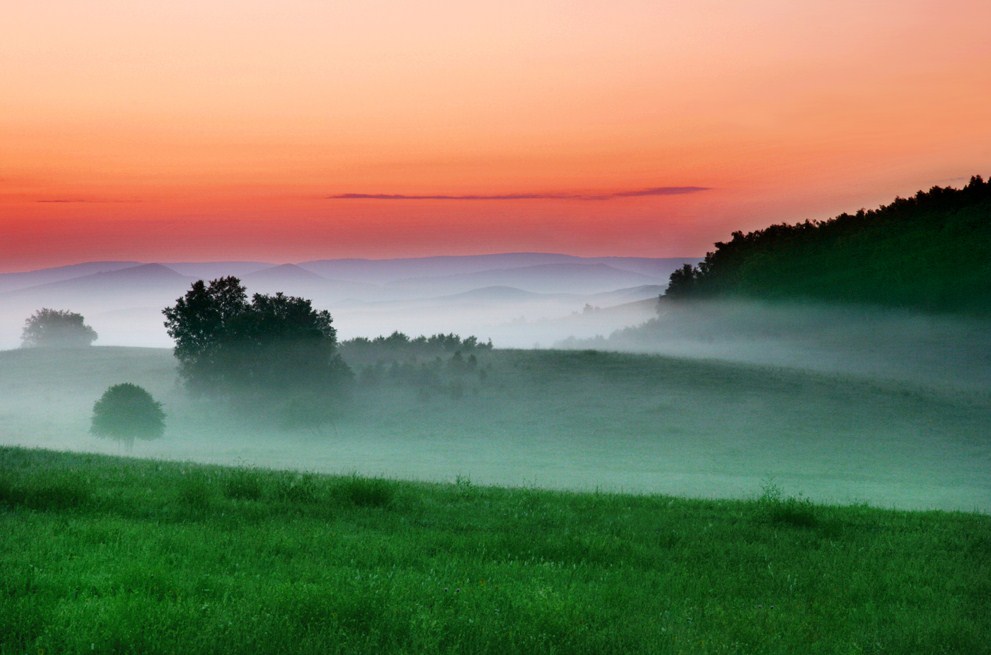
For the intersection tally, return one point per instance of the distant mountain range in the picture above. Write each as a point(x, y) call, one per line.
point(481, 294)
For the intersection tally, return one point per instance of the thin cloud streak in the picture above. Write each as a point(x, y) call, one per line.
point(82, 200)
point(635, 193)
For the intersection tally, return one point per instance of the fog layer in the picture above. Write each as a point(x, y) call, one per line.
point(935, 351)
point(843, 404)
point(576, 420)
point(516, 300)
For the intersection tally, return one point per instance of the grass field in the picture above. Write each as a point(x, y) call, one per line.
point(562, 420)
point(110, 555)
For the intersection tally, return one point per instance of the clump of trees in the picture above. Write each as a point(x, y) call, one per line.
point(126, 412)
point(56, 328)
point(400, 347)
point(931, 252)
point(269, 349)
point(438, 365)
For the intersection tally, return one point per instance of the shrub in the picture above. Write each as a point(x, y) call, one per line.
point(797, 512)
point(243, 484)
point(365, 492)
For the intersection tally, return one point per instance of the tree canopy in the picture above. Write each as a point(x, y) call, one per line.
point(127, 412)
point(931, 252)
point(272, 344)
point(56, 328)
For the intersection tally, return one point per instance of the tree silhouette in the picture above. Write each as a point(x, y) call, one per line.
point(273, 344)
point(682, 281)
point(127, 412)
point(56, 328)
point(201, 325)
point(930, 252)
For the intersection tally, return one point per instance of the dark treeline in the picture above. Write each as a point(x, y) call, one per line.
point(929, 252)
point(441, 364)
point(400, 346)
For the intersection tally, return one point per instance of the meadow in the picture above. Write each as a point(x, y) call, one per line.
point(563, 420)
point(110, 555)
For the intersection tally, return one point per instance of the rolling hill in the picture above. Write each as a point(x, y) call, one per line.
point(931, 252)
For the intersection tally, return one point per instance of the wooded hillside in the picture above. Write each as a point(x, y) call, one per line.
point(930, 252)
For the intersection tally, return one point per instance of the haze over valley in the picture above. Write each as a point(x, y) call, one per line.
point(593, 328)
point(516, 300)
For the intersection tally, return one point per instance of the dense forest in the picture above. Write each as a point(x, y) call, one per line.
point(929, 252)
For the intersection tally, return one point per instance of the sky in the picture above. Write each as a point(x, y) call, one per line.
point(303, 129)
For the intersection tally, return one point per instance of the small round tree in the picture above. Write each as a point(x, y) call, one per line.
point(127, 412)
point(56, 328)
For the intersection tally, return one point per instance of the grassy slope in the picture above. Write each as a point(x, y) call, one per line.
point(106, 555)
point(566, 420)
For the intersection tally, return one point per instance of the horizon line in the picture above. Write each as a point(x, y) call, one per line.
point(135, 263)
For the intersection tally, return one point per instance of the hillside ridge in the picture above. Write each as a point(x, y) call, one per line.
point(930, 252)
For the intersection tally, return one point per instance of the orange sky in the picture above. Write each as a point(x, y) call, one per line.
point(215, 130)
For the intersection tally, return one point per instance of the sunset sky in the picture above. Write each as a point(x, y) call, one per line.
point(305, 129)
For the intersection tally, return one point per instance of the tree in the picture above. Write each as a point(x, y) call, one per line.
point(275, 344)
point(127, 412)
point(201, 324)
point(56, 328)
point(682, 281)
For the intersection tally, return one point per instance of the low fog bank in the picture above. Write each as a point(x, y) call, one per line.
point(567, 420)
point(939, 351)
point(510, 318)
point(515, 300)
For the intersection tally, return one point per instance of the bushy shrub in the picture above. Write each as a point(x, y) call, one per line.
point(774, 508)
point(365, 492)
point(243, 484)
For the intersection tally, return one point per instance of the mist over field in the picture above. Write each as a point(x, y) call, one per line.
point(933, 351)
point(842, 405)
point(721, 383)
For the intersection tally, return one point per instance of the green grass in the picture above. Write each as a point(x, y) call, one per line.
point(558, 419)
point(107, 555)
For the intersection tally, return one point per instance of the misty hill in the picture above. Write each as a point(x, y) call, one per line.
point(27, 279)
point(497, 294)
point(283, 273)
point(214, 270)
point(930, 252)
point(297, 281)
point(623, 296)
point(123, 305)
point(542, 278)
point(393, 270)
point(288, 278)
point(135, 279)
point(501, 296)
point(653, 267)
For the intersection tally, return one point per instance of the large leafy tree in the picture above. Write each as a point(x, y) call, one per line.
point(56, 328)
point(202, 325)
point(272, 344)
